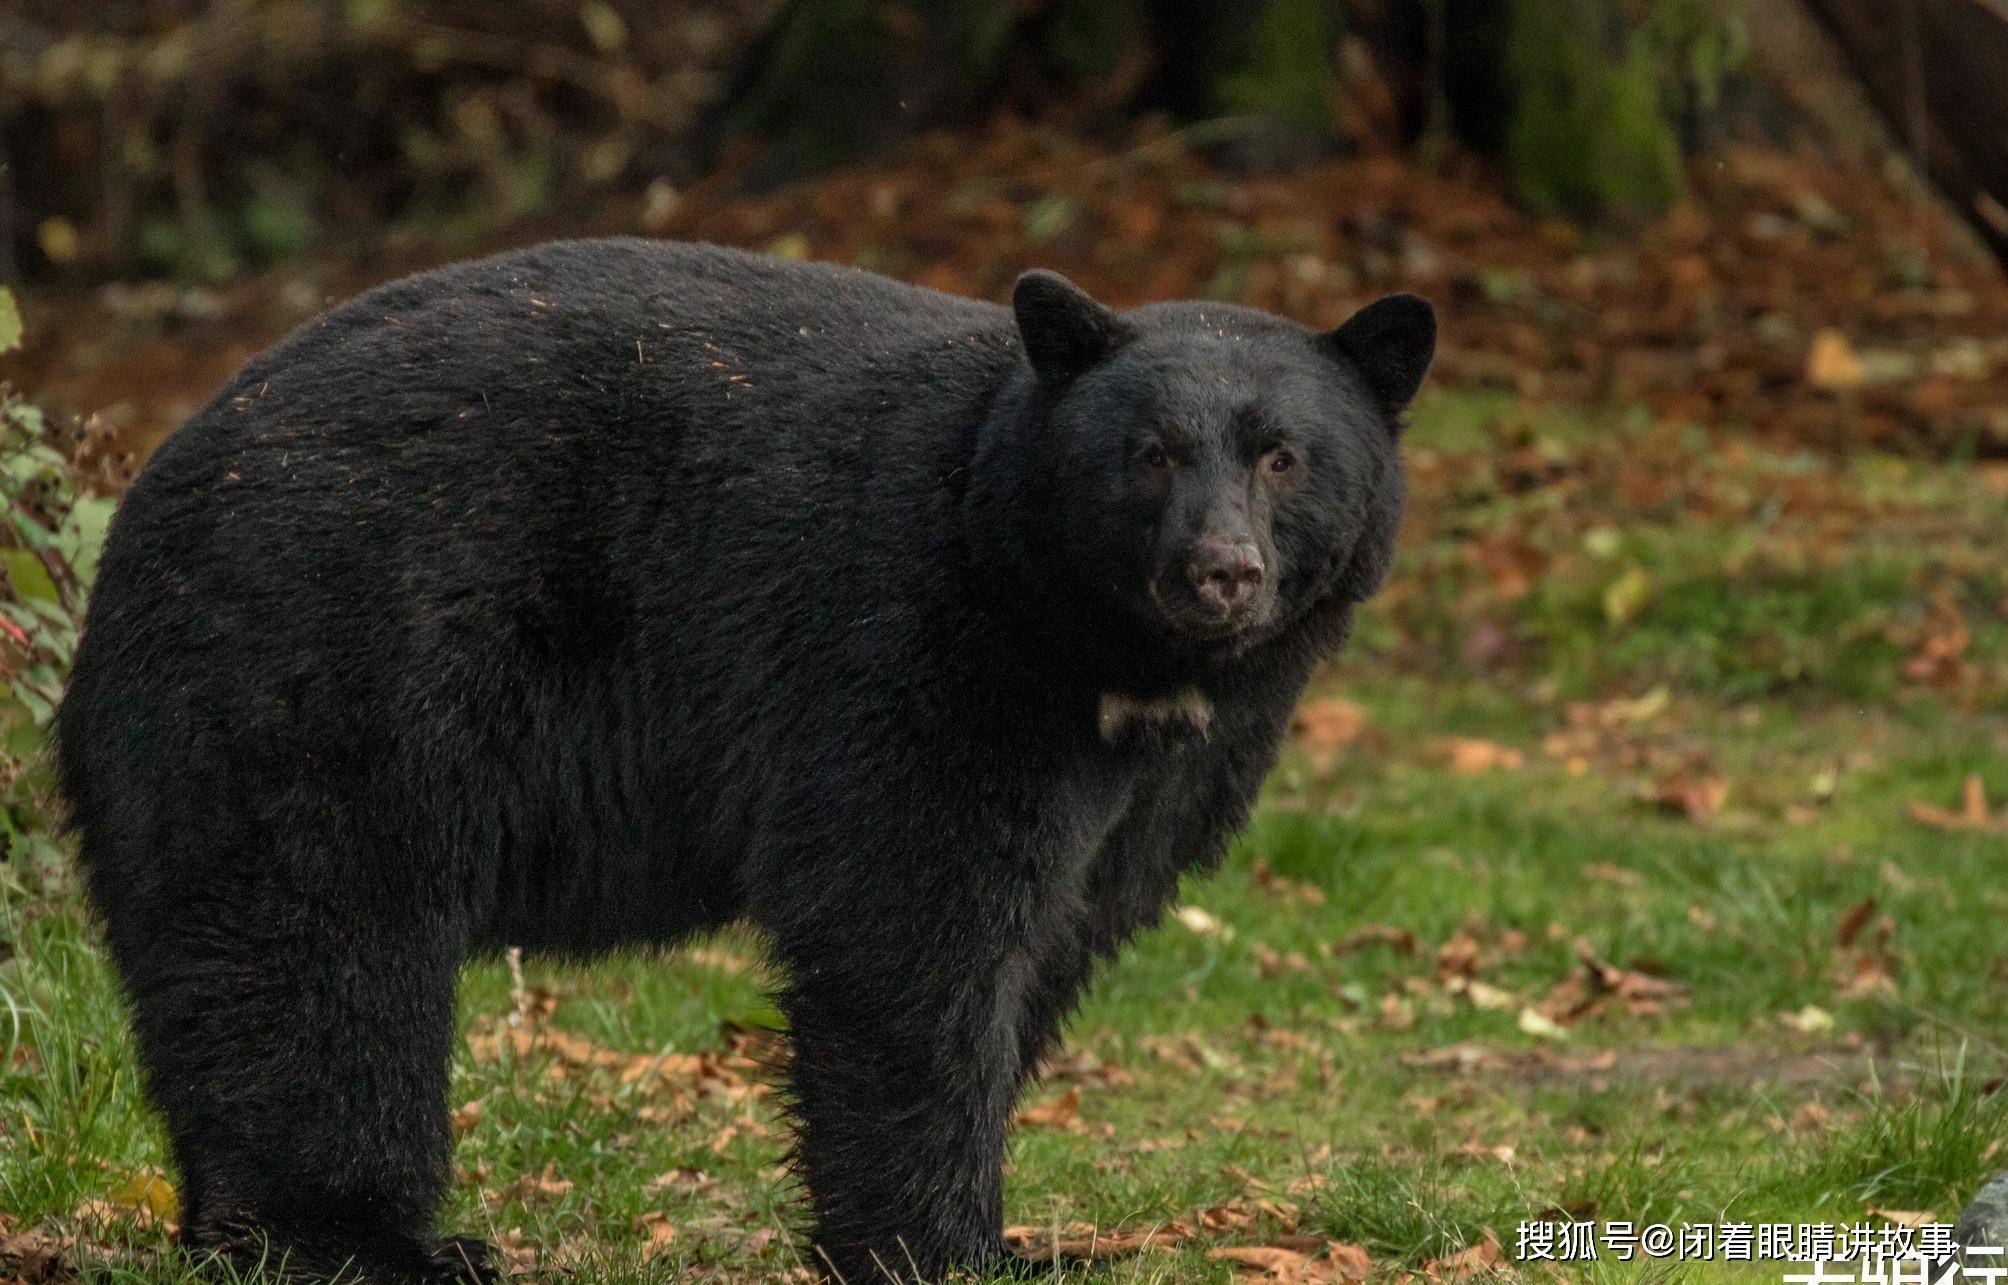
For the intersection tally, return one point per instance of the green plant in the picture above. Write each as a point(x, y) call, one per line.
point(1589, 134)
point(50, 538)
point(1605, 98)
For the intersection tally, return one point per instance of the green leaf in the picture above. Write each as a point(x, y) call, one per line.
point(29, 577)
point(83, 535)
point(19, 736)
point(1626, 596)
point(10, 321)
point(40, 707)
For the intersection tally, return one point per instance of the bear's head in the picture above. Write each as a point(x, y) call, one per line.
point(1208, 473)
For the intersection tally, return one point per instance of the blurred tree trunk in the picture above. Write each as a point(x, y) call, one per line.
point(1591, 103)
point(1934, 69)
point(835, 79)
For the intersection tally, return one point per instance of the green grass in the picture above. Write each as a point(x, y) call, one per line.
point(1298, 1083)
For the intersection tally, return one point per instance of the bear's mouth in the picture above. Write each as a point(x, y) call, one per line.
point(1185, 615)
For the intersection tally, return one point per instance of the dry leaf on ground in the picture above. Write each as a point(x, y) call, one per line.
point(1322, 726)
point(1536, 1023)
point(1063, 1112)
point(1972, 814)
point(541, 1186)
point(1283, 888)
point(1084, 1240)
point(34, 1257)
point(144, 1200)
point(1283, 1264)
point(1481, 1259)
point(1832, 364)
point(1401, 939)
point(1853, 921)
point(1471, 756)
point(1698, 798)
point(658, 1233)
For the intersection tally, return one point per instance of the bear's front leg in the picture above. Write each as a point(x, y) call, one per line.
point(903, 997)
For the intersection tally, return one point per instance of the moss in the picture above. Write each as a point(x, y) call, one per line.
point(1283, 64)
point(1590, 133)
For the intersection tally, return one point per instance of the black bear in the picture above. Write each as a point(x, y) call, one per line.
point(597, 594)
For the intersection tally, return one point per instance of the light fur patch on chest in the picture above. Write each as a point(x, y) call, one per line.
point(1122, 714)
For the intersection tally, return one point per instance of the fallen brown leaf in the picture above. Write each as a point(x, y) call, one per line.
point(1350, 1263)
point(1457, 957)
point(679, 1179)
point(1504, 1153)
point(1322, 726)
point(1641, 992)
point(34, 1257)
point(1809, 1117)
point(1086, 1067)
point(1063, 1112)
point(1271, 963)
point(1401, 939)
point(1852, 922)
point(1083, 1240)
point(1592, 986)
point(658, 1233)
point(1481, 1259)
point(1832, 364)
point(575, 1051)
point(1280, 1264)
point(1284, 888)
point(1869, 974)
point(144, 1200)
point(1972, 814)
point(1609, 873)
point(1696, 798)
point(1940, 648)
point(520, 1255)
point(1396, 1013)
point(1470, 756)
point(1455, 1057)
point(1032, 1233)
point(541, 1186)
point(1217, 1218)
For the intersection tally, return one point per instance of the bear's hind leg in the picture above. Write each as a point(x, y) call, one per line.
point(299, 1054)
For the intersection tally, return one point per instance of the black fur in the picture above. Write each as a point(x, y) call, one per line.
point(593, 595)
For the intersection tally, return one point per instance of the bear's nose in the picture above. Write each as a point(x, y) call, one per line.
point(1225, 573)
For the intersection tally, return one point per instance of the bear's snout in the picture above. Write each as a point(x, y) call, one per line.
point(1225, 575)
point(1218, 586)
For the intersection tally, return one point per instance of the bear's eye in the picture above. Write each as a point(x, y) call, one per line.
point(1156, 456)
point(1281, 461)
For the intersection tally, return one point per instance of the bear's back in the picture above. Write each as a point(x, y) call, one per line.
point(541, 483)
point(523, 416)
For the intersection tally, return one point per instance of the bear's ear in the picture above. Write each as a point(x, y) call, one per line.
point(1390, 343)
point(1062, 327)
